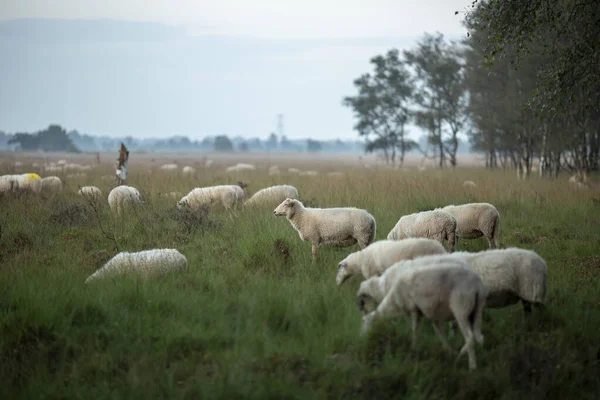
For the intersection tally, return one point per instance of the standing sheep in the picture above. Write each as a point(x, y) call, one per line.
point(29, 183)
point(122, 196)
point(9, 183)
point(330, 226)
point(90, 192)
point(437, 225)
point(51, 184)
point(511, 275)
point(272, 195)
point(187, 170)
point(474, 220)
point(147, 264)
point(379, 256)
point(440, 291)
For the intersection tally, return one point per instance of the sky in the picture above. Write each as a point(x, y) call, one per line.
point(157, 68)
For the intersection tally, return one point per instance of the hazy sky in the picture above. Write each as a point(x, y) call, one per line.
point(200, 68)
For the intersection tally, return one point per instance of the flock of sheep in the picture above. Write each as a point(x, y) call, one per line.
point(410, 273)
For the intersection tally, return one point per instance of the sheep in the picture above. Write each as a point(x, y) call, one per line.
point(511, 275)
point(122, 196)
point(146, 264)
point(330, 226)
point(90, 192)
point(29, 183)
point(274, 170)
point(229, 196)
point(51, 184)
point(294, 170)
point(187, 170)
point(469, 184)
point(440, 291)
point(169, 167)
point(309, 173)
point(335, 173)
point(437, 225)
point(474, 220)
point(240, 167)
point(378, 256)
point(272, 195)
point(9, 183)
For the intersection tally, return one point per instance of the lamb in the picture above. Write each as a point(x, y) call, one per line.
point(330, 226)
point(440, 291)
point(272, 195)
point(437, 225)
point(511, 275)
point(51, 184)
point(122, 196)
point(229, 196)
point(378, 256)
point(146, 264)
point(90, 192)
point(474, 220)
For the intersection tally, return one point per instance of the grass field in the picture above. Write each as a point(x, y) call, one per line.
point(254, 318)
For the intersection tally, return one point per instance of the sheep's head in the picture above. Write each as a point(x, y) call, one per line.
point(346, 268)
point(364, 300)
point(288, 208)
point(183, 204)
point(367, 323)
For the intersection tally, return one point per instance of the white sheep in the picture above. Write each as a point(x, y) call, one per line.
point(9, 183)
point(294, 170)
point(29, 183)
point(330, 226)
point(90, 192)
point(374, 259)
point(309, 173)
point(474, 220)
point(511, 275)
point(274, 170)
point(439, 291)
point(437, 225)
point(229, 196)
point(187, 170)
point(469, 184)
point(169, 167)
point(146, 264)
point(272, 195)
point(51, 184)
point(123, 196)
point(240, 167)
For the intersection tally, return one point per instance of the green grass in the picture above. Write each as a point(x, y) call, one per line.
point(254, 318)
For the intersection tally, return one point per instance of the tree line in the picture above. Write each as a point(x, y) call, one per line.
point(523, 85)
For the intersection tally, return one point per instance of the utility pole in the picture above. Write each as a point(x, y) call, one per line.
point(280, 125)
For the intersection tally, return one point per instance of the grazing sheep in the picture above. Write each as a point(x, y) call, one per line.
point(187, 170)
point(122, 196)
point(511, 275)
point(29, 183)
point(90, 192)
point(378, 256)
point(474, 220)
point(208, 163)
point(9, 183)
point(169, 167)
point(294, 170)
point(51, 184)
point(229, 196)
point(309, 173)
point(440, 291)
point(437, 225)
point(330, 226)
point(272, 195)
point(469, 184)
point(274, 170)
point(147, 264)
point(240, 167)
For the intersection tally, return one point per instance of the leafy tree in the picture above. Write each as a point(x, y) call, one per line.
point(272, 142)
point(381, 106)
point(53, 138)
point(222, 143)
point(440, 93)
point(243, 146)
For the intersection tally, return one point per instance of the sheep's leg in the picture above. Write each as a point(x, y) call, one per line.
point(315, 247)
point(438, 328)
point(469, 347)
point(414, 317)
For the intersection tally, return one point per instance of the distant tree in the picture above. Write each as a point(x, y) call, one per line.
point(381, 106)
point(272, 142)
point(53, 138)
point(222, 143)
point(243, 146)
point(313, 146)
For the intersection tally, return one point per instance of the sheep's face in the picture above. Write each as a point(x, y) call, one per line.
point(287, 208)
point(342, 273)
point(183, 203)
point(365, 302)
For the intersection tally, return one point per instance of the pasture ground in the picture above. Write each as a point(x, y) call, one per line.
point(254, 318)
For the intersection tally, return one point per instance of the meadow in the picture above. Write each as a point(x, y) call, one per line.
point(255, 318)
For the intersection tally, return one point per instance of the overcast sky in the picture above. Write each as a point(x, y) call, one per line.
point(199, 68)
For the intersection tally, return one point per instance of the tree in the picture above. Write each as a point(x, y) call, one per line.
point(272, 142)
point(440, 93)
point(313, 146)
point(222, 143)
point(381, 106)
point(53, 138)
point(243, 146)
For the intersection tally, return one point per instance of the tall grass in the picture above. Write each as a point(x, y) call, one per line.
point(254, 318)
